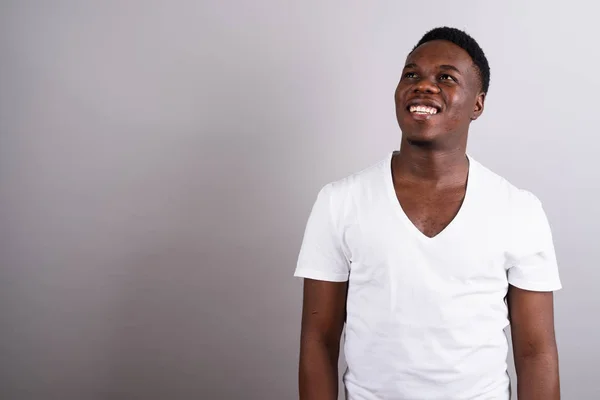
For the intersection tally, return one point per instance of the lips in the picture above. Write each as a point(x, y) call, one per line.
point(422, 110)
point(423, 107)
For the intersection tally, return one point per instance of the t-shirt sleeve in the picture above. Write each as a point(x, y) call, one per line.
point(533, 259)
point(321, 254)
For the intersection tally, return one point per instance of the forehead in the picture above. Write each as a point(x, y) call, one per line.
point(440, 52)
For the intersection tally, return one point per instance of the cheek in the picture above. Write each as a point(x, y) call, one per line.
point(400, 91)
point(459, 104)
point(459, 111)
point(397, 94)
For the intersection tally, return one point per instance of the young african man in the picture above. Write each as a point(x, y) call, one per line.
point(427, 255)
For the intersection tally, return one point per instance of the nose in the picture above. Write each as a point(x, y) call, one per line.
point(426, 86)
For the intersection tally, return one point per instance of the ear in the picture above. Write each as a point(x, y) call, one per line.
point(479, 104)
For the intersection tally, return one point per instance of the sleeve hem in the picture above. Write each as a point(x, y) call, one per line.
point(320, 275)
point(536, 286)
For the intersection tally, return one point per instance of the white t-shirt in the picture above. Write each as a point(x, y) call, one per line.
point(426, 316)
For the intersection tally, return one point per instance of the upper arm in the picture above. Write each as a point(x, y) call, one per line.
point(532, 322)
point(323, 310)
point(532, 258)
point(532, 276)
point(323, 264)
point(322, 253)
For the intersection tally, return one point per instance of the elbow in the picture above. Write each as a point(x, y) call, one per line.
point(537, 349)
point(329, 341)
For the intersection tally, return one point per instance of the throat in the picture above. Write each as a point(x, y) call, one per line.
point(422, 167)
point(423, 144)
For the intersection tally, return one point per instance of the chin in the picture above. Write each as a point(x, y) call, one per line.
point(421, 132)
point(421, 140)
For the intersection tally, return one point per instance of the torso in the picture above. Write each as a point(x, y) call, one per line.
point(428, 273)
point(425, 306)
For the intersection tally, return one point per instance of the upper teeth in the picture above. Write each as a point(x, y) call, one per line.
point(423, 109)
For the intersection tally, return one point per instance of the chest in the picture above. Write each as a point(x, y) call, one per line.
point(396, 267)
point(430, 210)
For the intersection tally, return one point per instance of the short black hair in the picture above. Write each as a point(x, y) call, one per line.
point(467, 43)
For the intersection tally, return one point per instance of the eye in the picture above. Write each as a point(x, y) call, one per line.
point(446, 77)
point(410, 75)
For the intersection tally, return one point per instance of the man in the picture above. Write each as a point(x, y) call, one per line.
point(427, 256)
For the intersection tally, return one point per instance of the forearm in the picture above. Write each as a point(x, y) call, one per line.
point(318, 374)
point(538, 377)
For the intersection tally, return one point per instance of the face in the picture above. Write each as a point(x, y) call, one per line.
point(439, 94)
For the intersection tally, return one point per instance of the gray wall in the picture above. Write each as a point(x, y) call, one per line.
point(158, 161)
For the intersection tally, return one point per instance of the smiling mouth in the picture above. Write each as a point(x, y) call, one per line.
point(422, 110)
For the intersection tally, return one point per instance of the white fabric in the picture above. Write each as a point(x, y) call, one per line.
point(426, 316)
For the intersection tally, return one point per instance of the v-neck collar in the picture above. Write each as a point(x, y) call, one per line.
point(395, 203)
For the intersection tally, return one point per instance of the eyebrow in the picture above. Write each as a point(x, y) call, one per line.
point(443, 66)
point(450, 67)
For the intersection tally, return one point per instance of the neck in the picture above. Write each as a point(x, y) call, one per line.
point(422, 163)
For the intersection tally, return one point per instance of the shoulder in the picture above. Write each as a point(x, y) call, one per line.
point(357, 184)
point(502, 192)
point(343, 199)
point(518, 210)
